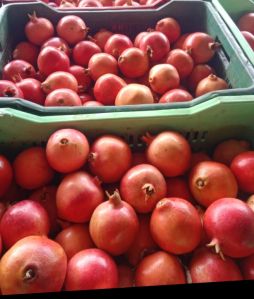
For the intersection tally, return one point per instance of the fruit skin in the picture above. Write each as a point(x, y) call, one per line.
point(142, 187)
point(242, 166)
point(110, 157)
point(26, 51)
point(62, 97)
point(209, 181)
point(32, 91)
point(229, 224)
point(249, 37)
point(9, 89)
point(134, 94)
point(83, 51)
point(199, 72)
point(168, 146)
point(31, 168)
point(209, 84)
point(74, 238)
point(45, 259)
point(176, 95)
point(6, 175)
point(206, 266)
point(170, 27)
point(23, 219)
point(114, 225)
point(226, 151)
point(175, 225)
point(91, 269)
point(247, 267)
point(159, 268)
point(67, 150)
point(116, 44)
point(77, 196)
point(18, 69)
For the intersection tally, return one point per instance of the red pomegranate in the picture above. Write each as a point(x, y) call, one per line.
point(91, 269)
point(83, 51)
point(23, 219)
point(229, 224)
point(63, 97)
point(26, 51)
point(159, 268)
point(6, 175)
point(170, 27)
point(114, 225)
point(34, 264)
point(18, 69)
point(142, 187)
point(176, 226)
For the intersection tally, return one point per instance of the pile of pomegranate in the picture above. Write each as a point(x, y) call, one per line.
point(246, 25)
point(64, 66)
point(68, 4)
point(81, 214)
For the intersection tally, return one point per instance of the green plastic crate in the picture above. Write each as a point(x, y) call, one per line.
point(229, 62)
point(203, 125)
point(231, 11)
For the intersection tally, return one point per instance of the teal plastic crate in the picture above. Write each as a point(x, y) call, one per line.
point(231, 11)
point(229, 62)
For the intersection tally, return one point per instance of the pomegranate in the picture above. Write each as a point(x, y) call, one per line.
point(110, 157)
point(83, 79)
point(91, 269)
point(114, 225)
point(86, 97)
point(107, 87)
point(77, 196)
point(23, 219)
point(156, 44)
point(199, 72)
point(139, 37)
point(17, 69)
point(32, 91)
point(168, 146)
point(163, 77)
point(201, 47)
point(34, 264)
point(249, 37)
point(31, 168)
point(131, 3)
point(206, 266)
point(59, 44)
point(226, 151)
point(67, 150)
point(133, 63)
point(134, 94)
point(66, 4)
point(143, 243)
point(176, 95)
point(178, 187)
point(170, 27)
point(46, 196)
point(83, 51)
point(198, 157)
point(246, 22)
point(229, 224)
point(38, 30)
point(116, 44)
point(210, 83)
point(159, 268)
point(72, 29)
point(92, 104)
point(180, 41)
point(59, 80)
point(126, 276)
point(210, 181)
point(142, 187)
point(101, 37)
point(74, 238)
point(51, 60)
point(63, 97)
point(247, 267)
point(6, 175)
point(90, 3)
point(26, 51)
point(182, 61)
point(100, 64)
point(175, 225)
point(10, 89)
point(250, 202)
point(242, 166)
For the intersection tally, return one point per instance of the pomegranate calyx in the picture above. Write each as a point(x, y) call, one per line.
point(114, 198)
point(201, 183)
point(92, 156)
point(147, 138)
point(30, 274)
point(9, 92)
point(214, 46)
point(215, 244)
point(64, 141)
point(149, 190)
point(149, 52)
point(33, 16)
